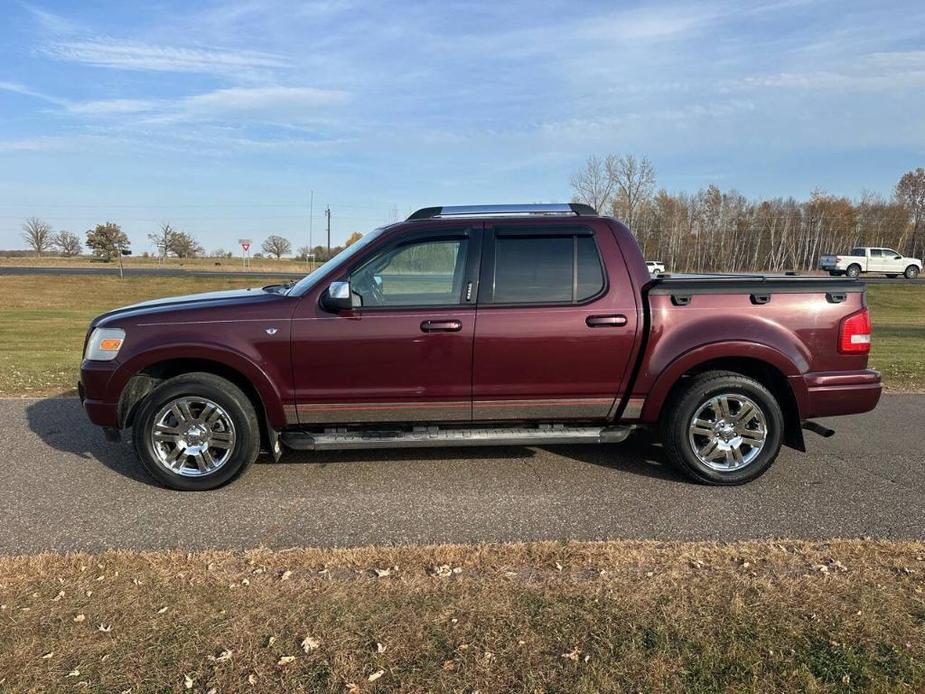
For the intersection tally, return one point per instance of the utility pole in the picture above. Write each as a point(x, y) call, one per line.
point(311, 248)
point(327, 213)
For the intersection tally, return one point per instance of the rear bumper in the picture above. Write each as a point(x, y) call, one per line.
point(833, 393)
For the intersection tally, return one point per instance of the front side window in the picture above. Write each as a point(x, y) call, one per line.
point(546, 269)
point(890, 252)
point(426, 273)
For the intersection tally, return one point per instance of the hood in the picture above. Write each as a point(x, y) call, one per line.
point(189, 302)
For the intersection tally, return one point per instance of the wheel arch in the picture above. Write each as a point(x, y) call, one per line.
point(765, 365)
point(146, 379)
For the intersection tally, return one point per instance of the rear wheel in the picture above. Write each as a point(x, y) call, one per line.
point(723, 428)
point(853, 270)
point(195, 432)
point(911, 272)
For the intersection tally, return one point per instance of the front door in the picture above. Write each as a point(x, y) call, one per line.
point(404, 353)
point(557, 322)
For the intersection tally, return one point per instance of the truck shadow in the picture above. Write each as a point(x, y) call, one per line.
point(638, 455)
point(61, 424)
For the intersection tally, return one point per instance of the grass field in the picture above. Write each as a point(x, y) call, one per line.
point(43, 320)
point(898, 348)
point(620, 616)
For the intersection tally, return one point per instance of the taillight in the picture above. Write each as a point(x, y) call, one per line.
point(854, 333)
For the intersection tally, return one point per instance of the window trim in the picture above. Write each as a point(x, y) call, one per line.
point(486, 297)
point(470, 272)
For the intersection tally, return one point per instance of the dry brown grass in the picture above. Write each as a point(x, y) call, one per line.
point(769, 616)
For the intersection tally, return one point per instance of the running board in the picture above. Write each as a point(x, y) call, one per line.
point(435, 436)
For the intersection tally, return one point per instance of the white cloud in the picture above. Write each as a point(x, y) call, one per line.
point(881, 71)
point(17, 88)
point(51, 22)
point(263, 99)
point(647, 24)
point(282, 105)
point(112, 106)
point(130, 55)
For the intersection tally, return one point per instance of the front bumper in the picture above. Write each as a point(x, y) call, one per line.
point(94, 392)
point(834, 393)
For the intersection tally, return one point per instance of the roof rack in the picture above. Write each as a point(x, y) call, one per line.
point(575, 208)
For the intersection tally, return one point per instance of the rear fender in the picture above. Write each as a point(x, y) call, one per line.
point(689, 361)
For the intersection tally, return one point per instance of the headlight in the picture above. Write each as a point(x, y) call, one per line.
point(104, 344)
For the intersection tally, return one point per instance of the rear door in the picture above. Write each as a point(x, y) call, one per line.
point(557, 320)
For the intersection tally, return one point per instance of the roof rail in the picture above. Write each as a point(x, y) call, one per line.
point(559, 208)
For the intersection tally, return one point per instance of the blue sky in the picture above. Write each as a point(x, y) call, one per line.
point(220, 117)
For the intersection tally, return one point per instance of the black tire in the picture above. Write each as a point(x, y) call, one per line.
point(911, 272)
point(235, 407)
point(853, 270)
point(687, 402)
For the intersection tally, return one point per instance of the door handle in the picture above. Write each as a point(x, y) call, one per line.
point(605, 321)
point(441, 326)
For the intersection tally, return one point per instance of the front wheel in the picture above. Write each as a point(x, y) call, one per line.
point(195, 432)
point(723, 428)
point(911, 272)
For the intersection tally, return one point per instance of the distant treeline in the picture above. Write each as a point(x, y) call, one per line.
point(723, 231)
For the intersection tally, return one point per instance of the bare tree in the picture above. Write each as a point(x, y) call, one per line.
point(38, 234)
point(163, 239)
point(67, 242)
point(910, 193)
point(594, 185)
point(634, 182)
point(276, 246)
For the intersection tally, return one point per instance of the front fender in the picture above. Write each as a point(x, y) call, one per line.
point(240, 363)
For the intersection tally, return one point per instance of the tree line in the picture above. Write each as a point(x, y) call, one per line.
point(723, 231)
point(108, 241)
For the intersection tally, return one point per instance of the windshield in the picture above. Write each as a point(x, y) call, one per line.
point(307, 282)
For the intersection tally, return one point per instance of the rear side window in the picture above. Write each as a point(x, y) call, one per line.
point(859, 252)
point(876, 253)
point(546, 269)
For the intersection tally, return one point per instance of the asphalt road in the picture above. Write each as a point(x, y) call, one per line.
point(65, 488)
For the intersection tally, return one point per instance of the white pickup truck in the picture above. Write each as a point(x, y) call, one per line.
point(866, 259)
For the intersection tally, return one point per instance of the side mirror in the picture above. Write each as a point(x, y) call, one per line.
point(897, 257)
point(337, 297)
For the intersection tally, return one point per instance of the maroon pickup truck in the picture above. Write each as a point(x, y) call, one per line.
point(503, 324)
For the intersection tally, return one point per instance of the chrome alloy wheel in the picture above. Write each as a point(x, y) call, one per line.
point(727, 432)
point(192, 436)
